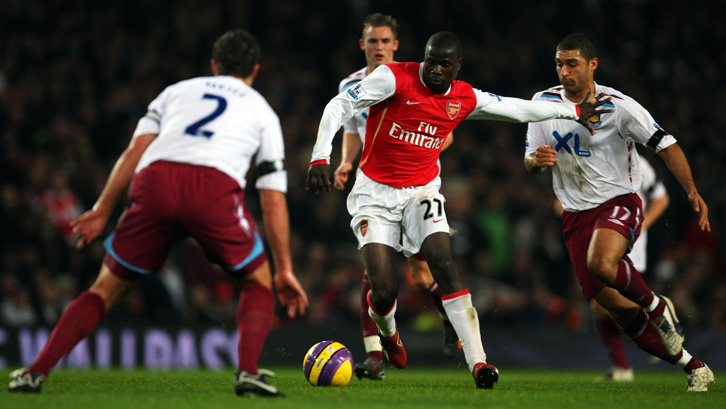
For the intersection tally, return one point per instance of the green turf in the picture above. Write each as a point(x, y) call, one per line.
point(409, 388)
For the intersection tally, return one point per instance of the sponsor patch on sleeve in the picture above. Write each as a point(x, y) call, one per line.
point(356, 92)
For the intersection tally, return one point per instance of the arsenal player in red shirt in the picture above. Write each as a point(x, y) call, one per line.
point(395, 203)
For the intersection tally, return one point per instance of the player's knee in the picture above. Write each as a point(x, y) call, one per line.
point(383, 297)
point(261, 275)
point(602, 269)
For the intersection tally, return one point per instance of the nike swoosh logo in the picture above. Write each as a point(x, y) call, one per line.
point(409, 102)
point(436, 221)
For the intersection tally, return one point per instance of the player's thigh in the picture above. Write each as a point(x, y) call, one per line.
point(577, 230)
point(616, 228)
point(607, 248)
point(233, 242)
point(423, 216)
point(376, 212)
point(145, 232)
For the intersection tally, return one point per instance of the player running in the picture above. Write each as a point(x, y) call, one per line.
point(395, 203)
point(379, 42)
point(596, 178)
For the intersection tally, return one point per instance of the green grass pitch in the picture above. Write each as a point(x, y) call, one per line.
point(402, 389)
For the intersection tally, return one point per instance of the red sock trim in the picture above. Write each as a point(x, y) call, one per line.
point(370, 304)
point(455, 295)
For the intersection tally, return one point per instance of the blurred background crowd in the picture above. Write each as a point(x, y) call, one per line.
point(76, 75)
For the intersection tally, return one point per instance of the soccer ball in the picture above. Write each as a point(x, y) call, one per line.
point(328, 363)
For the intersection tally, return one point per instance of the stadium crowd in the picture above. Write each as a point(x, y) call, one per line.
point(75, 77)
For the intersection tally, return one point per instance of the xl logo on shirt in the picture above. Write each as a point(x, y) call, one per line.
point(562, 143)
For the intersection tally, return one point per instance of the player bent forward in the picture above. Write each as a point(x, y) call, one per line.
point(188, 168)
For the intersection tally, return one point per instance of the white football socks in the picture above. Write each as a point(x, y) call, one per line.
point(372, 343)
point(464, 318)
point(386, 323)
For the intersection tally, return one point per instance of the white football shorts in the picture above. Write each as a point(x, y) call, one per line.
point(397, 217)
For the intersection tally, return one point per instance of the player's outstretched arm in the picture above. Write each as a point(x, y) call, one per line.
point(91, 223)
point(276, 218)
point(679, 167)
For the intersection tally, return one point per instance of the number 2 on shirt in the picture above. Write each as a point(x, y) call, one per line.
point(195, 128)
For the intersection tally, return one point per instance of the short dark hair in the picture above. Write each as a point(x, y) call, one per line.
point(580, 42)
point(236, 53)
point(380, 20)
point(445, 40)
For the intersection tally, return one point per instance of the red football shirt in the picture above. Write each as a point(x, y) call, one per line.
point(404, 133)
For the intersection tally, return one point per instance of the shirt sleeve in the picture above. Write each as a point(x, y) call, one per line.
point(270, 156)
point(376, 87)
point(636, 123)
point(534, 138)
point(150, 123)
point(351, 125)
point(494, 107)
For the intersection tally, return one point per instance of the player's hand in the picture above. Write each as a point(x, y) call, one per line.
point(588, 109)
point(546, 156)
point(699, 206)
point(318, 178)
point(340, 176)
point(88, 226)
point(290, 293)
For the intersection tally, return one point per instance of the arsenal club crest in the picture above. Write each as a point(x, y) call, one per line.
point(363, 228)
point(453, 108)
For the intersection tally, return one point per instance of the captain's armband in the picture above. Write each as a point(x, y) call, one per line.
point(655, 139)
point(267, 167)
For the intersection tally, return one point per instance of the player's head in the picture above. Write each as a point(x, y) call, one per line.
point(576, 62)
point(236, 53)
point(379, 39)
point(442, 61)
